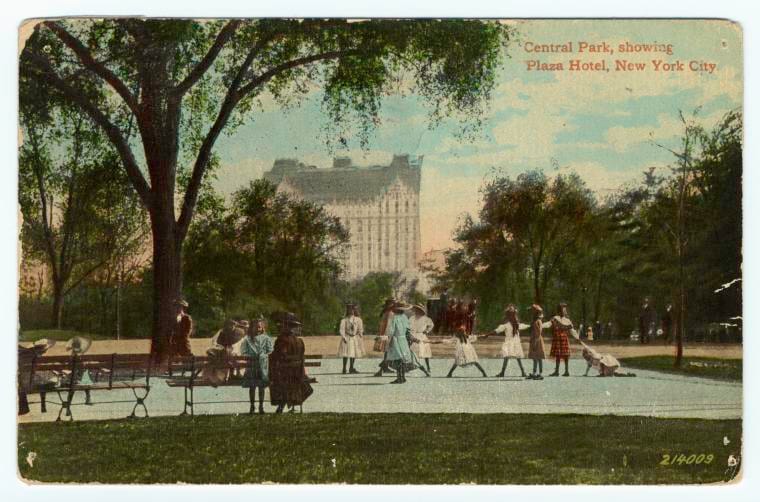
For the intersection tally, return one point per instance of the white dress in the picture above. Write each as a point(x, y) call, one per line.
point(351, 337)
point(421, 326)
point(511, 346)
point(464, 353)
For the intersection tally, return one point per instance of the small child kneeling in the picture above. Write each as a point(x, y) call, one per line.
point(606, 364)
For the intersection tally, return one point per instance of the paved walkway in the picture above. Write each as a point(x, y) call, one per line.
point(490, 347)
point(649, 394)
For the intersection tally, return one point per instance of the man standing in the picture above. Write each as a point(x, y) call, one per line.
point(667, 323)
point(351, 338)
point(440, 316)
point(472, 313)
point(179, 342)
point(451, 316)
point(288, 384)
point(646, 321)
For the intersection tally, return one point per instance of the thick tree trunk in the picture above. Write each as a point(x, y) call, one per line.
point(167, 280)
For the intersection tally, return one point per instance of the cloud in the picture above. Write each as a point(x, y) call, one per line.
point(668, 128)
point(444, 199)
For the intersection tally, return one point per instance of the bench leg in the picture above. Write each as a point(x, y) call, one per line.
point(139, 401)
point(188, 402)
point(65, 405)
point(43, 403)
point(87, 399)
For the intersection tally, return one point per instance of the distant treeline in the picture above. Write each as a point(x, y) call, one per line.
point(675, 237)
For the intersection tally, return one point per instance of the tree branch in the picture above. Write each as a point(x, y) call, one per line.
point(89, 62)
point(47, 232)
point(48, 75)
point(202, 67)
point(289, 65)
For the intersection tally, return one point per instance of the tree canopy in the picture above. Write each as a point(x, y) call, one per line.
point(163, 91)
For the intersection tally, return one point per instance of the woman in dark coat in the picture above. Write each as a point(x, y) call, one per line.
point(288, 384)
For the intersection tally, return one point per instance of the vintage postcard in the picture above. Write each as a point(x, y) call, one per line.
point(380, 251)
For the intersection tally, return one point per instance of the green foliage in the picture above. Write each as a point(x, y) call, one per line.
point(550, 239)
point(266, 252)
point(164, 90)
point(529, 231)
point(80, 217)
point(345, 447)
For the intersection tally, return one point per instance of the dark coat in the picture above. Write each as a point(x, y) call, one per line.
point(646, 320)
point(287, 375)
point(179, 343)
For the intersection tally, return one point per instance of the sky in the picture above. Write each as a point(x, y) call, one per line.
point(600, 124)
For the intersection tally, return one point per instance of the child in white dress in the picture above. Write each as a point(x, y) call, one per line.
point(464, 354)
point(421, 326)
point(512, 347)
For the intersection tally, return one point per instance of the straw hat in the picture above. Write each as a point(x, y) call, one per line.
point(78, 345)
point(43, 345)
point(420, 308)
point(182, 303)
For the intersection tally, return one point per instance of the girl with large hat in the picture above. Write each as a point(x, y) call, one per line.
point(399, 356)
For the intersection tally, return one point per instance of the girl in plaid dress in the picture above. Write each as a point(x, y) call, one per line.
point(562, 328)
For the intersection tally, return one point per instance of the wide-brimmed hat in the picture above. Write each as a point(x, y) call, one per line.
point(510, 308)
point(180, 302)
point(78, 344)
point(290, 319)
point(536, 308)
point(401, 305)
point(230, 334)
point(43, 344)
point(420, 308)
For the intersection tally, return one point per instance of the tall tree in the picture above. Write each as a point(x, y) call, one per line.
point(544, 219)
point(78, 211)
point(689, 196)
point(184, 82)
point(265, 244)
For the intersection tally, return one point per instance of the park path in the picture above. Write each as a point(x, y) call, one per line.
point(649, 394)
point(328, 345)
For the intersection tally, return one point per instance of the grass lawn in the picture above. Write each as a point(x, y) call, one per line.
point(379, 448)
point(708, 367)
point(60, 335)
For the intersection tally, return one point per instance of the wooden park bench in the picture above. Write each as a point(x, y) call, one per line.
point(62, 375)
point(190, 375)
